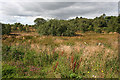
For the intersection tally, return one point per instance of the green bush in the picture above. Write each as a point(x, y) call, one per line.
point(21, 27)
point(6, 29)
point(98, 30)
point(56, 28)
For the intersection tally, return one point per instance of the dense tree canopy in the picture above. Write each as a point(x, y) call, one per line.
point(56, 28)
point(69, 27)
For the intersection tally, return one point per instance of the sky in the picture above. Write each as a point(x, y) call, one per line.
point(26, 12)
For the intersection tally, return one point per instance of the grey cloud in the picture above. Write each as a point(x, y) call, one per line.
point(60, 10)
point(85, 9)
point(59, 0)
point(55, 5)
point(32, 8)
point(119, 7)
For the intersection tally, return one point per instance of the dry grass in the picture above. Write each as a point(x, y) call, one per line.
point(87, 42)
point(94, 49)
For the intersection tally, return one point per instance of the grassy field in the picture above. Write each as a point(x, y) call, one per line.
point(88, 55)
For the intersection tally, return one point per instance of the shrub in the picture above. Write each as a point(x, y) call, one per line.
point(6, 29)
point(21, 28)
point(98, 30)
point(56, 28)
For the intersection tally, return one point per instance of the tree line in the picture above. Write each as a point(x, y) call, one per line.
point(57, 27)
point(69, 27)
point(8, 28)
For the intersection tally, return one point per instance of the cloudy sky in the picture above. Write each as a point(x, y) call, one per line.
point(27, 11)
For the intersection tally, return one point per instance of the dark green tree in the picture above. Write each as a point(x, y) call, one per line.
point(6, 29)
point(39, 21)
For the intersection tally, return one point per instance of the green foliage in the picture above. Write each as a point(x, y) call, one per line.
point(8, 71)
point(19, 27)
point(90, 28)
point(119, 19)
point(5, 51)
point(73, 75)
point(56, 28)
point(22, 53)
point(98, 30)
point(69, 27)
point(39, 21)
point(15, 26)
point(27, 28)
point(12, 52)
point(6, 29)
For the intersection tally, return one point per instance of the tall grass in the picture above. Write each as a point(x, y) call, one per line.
point(78, 61)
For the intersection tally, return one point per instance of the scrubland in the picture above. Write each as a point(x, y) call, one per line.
point(87, 55)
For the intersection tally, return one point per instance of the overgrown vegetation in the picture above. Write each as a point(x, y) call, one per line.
point(53, 57)
point(57, 64)
point(66, 48)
